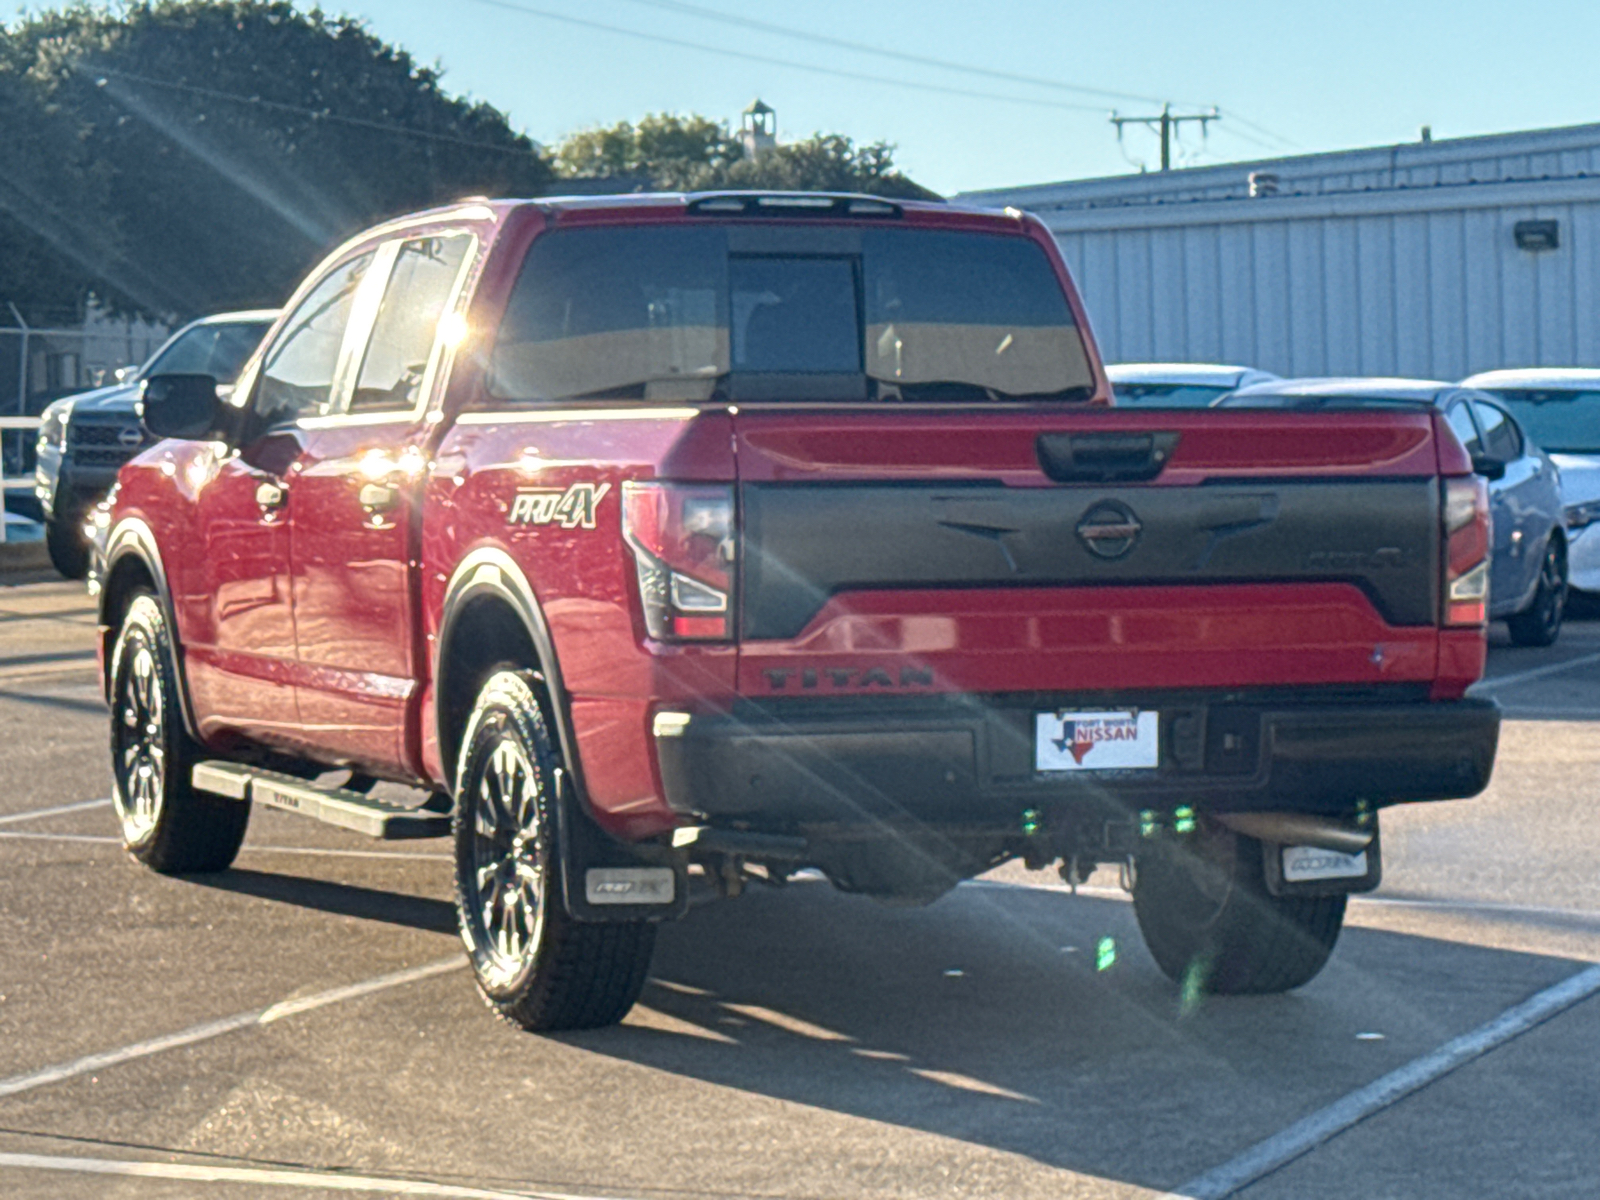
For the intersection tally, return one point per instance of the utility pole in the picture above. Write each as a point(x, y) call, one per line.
point(1165, 123)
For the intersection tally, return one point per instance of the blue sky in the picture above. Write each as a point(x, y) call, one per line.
point(1324, 77)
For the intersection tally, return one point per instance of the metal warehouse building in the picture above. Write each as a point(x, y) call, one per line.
point(1435, 259)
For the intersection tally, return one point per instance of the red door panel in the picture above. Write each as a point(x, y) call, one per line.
point(240, 640)
point(351, 508)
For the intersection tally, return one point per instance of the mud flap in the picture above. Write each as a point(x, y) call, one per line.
point(605, 880)
point(1314, 871)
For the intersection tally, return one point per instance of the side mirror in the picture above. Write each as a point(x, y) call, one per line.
point(1490, 468)
point(181, 406)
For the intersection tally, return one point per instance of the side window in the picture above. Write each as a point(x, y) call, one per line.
point(297, 378)
point(1460, 418)
point(1500, 436)
point(420, 286)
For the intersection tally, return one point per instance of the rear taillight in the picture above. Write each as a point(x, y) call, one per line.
point(684, 546)
point(1466, 566)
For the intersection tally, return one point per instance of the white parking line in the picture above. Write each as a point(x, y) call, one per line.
point(1307, 1134)
point(58, 810)
point(1483, 906)
point(212, 1029)
point(1495, 682)
point(314, 851)
point(322, 1181)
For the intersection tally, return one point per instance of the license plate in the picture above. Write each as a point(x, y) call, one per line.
point(1122, 740)
point(1303, 864)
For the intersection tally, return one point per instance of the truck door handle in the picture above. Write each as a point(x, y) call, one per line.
point(377, 497)
point(270, 496)
point(1104, 457)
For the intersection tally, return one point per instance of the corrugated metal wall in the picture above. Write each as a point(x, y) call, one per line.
point(1433, 294)
point(1399, 261)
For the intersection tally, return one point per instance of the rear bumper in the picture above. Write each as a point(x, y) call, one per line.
point(970, 760)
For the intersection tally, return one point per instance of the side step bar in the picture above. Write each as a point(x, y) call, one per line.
point(330, 805)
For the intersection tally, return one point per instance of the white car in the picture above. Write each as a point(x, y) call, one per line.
point(1178, 385)
point(1559, 408)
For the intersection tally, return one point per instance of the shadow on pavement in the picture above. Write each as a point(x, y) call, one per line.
point(832, 1002)
point(1022, 1020)
point(340, 899)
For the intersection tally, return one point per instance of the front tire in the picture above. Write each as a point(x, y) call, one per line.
point(1209, 921)
point(1540, 623)
point(535, 965)
point(166, 824)
point(63, 539)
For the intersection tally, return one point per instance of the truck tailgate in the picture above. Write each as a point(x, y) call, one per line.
point(1022, 550)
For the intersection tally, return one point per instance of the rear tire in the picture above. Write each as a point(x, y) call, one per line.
point(1540, 623)
point(1209, 921)
point(534, 964)
point(69, 553)
point(166, 824)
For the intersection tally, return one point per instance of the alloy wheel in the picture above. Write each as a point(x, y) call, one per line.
point(1553, 584)
point(510, 858)
point(141, 751)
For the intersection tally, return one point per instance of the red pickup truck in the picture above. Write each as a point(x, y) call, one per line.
point(681, 542)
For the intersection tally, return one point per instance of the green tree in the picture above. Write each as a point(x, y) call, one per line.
point(238, 140)
point(664, 151)
point(53, 228)
point(671, 153)
point(826, 162)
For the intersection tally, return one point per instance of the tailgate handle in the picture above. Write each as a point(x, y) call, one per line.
point(1104, 457)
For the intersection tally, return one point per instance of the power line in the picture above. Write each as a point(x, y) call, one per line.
point(770, 60)
point(1261, 129)
point(712, 14)
point(1246, 137)
point(317, 114)
point(944, 64)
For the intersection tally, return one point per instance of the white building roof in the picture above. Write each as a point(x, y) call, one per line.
point(1571, 153)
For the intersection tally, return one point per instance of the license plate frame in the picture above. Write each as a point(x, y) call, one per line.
point(1315, 864)
point(1068, 741)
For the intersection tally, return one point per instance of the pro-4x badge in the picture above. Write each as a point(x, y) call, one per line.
point(570, 509)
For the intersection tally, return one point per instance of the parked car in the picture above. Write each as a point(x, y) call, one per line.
point(85, 439)
point(1529, 576)
point(1177, 385)
point(761, 533)
point(1559, 407)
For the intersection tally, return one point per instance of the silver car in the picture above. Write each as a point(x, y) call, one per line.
point(1178, 385)
point(1560, 409)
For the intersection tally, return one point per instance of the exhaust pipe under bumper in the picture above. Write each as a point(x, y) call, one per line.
point(1300, 829)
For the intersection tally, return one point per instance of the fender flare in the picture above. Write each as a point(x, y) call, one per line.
point(131, 537)
point(491, 572)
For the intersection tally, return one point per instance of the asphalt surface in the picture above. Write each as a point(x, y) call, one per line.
point(302, 1025)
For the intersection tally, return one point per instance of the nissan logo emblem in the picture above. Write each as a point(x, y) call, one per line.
point(129, 436)
point(1109, 529)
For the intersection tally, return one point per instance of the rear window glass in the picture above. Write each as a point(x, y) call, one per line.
point(670, 313)
point(1558, 421)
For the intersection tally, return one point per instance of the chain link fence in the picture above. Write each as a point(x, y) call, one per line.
point(41, 364)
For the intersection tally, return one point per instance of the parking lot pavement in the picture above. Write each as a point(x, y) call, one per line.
point(302, 1024)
